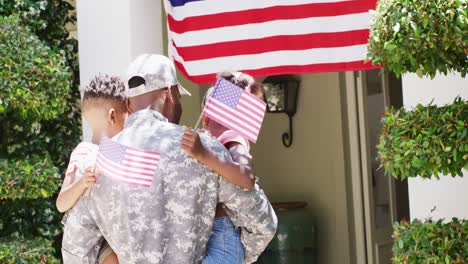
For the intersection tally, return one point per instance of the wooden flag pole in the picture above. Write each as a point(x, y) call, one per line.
point(199, 120)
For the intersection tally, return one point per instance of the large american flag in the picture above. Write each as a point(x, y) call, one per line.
point(126, 164)
point(235, 108)
point(267, 37)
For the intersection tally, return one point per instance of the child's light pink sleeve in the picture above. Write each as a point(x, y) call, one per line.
point(80, 152)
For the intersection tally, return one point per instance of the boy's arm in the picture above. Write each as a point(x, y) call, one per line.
point(72, 190)
point(238, 173)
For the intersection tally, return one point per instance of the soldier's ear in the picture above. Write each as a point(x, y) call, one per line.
point(129, 106)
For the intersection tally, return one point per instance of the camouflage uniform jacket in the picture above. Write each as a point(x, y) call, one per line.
point(171, 221)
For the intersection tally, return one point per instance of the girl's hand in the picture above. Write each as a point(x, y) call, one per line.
point(89, 177)
point(191, 144)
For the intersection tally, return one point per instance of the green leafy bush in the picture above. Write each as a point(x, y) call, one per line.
point(426, 141)
point(32, 135)
point(423, 37)
point(30, 251)
point(34, 79)
point(33, 178)
point(30, 218)
point(431, 242)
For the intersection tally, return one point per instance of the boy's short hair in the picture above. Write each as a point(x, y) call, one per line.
point(104, 89)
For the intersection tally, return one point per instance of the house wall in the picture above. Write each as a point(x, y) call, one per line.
point(312, 169)
point(448, 195)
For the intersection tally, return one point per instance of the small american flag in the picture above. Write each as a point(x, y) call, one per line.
point(235, 108)
point(126, 164)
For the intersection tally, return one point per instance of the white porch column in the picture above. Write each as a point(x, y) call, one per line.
point(111, 33)
point(448, 195)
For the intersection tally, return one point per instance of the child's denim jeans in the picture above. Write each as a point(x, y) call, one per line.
point(224, 245)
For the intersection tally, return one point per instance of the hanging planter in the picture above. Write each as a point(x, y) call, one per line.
point(427, 141)
point(419, 36)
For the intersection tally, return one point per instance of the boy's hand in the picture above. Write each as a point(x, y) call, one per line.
point(191, 144)
point(89, 177)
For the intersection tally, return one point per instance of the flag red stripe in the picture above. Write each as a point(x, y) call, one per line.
point(262, 15)
point(143, 156)
point(108, 166)
point(248, 112)
point(140, 167)
point(255, 98)
point(275, 43)
point(289, 69)
point(235, 119)
point(140, 161)
point(126, 169)
point(234, 115)
point(253, 108)
point(235, 126)
point(128, 182)
point(144, 151)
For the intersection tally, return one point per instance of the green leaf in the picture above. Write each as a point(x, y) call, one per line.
point(400, 244)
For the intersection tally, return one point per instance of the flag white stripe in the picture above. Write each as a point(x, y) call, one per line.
point(208, 7)
point(249, 111)
point(135, 158)
point(251, 108)
point(249, 120)
point(260, 105)
point(143, 154)
point(274, 59)
point(125, 180)
point(273, 28)
point(110, 172)
point(139, 165)
point(240, 123)
point(238, 128)
point(127, 171)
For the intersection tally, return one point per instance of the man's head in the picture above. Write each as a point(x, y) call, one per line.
point(152, 83)
point(103, 105)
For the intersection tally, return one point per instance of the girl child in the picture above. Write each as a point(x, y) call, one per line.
point(224, 245)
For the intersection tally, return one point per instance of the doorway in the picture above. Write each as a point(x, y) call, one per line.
point(377, 199)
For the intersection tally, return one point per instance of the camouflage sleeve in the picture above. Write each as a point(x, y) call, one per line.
point(253, 213)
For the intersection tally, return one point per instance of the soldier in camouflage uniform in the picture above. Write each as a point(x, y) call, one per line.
point(169, 222)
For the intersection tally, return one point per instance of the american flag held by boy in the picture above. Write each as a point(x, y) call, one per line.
point(236, 109)
point(127, 164)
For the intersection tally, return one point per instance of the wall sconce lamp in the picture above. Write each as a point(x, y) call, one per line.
point(281, 97)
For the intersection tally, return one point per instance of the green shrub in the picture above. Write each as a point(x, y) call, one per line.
point(33, 136)
point(33, 251)
point(34, 80)
point(30, 218)
point(426, 141)
point(31, 178)
point(431, 242)
point(418, 36)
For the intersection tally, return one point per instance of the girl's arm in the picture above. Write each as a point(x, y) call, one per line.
point(72, 191)
point(238, 173)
